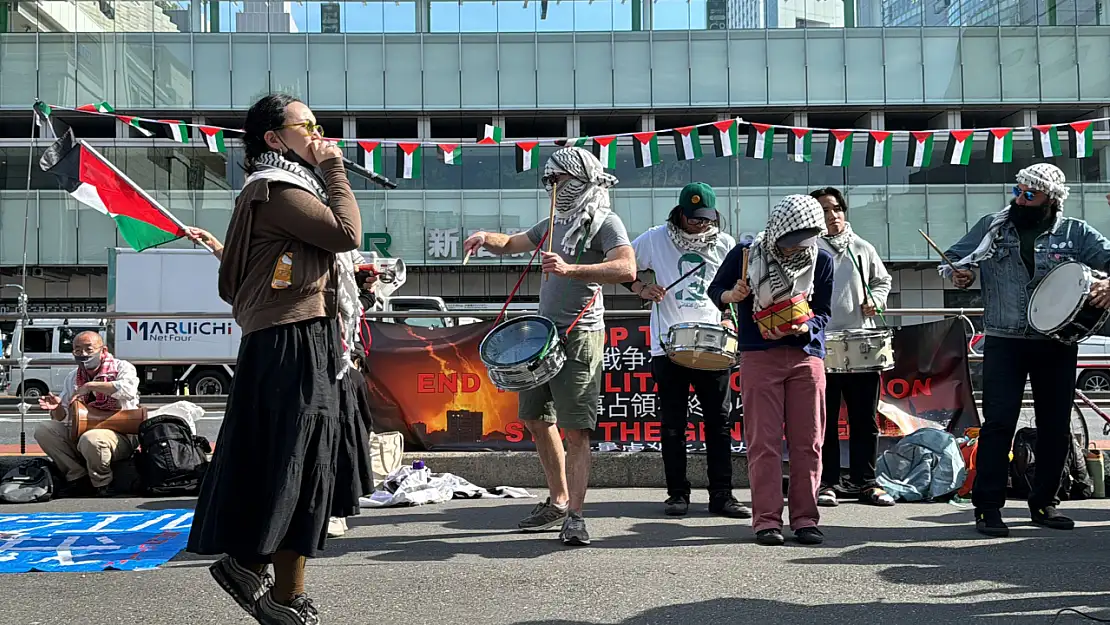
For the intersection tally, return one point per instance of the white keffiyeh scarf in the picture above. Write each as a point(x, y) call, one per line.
point(276, 168)
point(842, 239)
point(692, 242)
point(583, 200)
point(776, 277)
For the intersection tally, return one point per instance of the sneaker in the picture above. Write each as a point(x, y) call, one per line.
point(676, 505)
point(300, 611)
point(244, 585)
point(337, 527)
point(728, 506)
point(809, 536)
point(574, 532)
point(544, 516)
point(770, 537)
point(1050, 518)
point(989, 522)
point(826, 497)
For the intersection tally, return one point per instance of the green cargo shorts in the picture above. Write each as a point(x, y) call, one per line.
point(569, 400)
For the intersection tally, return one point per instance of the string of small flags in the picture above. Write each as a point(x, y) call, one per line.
point(725, 134)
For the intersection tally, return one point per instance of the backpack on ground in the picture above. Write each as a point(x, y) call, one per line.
point(171, 459)
point(31, 481)
point(1075, 482)
point(926, 465)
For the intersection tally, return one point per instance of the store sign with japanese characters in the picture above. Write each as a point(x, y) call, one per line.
point(445, 244)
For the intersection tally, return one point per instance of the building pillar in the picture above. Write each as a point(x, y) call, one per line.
point(799, 119)
point(423, 16)
point(647, 122)
point(574, 126)
point(350, 127)
point(947, 119)
point(1024, 117)
point(423, 127)
point(873, 120)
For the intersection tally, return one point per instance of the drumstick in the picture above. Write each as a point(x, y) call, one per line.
point(551, 226)
point(744, 266)
point(937, 250)
point(685, 275)
point(466, 259)
point(868, 295)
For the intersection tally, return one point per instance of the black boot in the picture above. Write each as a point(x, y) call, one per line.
point(989, 522)
point(1050, 518)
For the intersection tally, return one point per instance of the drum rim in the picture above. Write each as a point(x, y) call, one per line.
point(685, 325)
point(1070, 318)
point(552, 334)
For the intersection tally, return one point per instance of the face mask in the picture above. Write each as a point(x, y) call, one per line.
point(1028, 216)
point(293, 157)
point(90, 363)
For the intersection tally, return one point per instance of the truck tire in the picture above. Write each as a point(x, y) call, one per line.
point(33, 390)
point(210, 382)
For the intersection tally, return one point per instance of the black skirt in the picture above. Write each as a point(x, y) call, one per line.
point(354, 476)
point(272, 481)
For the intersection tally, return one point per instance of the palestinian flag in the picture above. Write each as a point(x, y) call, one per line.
point(372, 150)
point(687, 143)
point(99, 107)
point(725, 140)
point(491, 135)
point(605, 149)
point(179, 132)
point(576, 142)
point(527, 155)
point(96, 183)
point(920, 153)
point(880, 148)
point(839, 151)
point(761, 140)
point(134, 123)
point(451, 153)
point(214, 137)
point(408, 160)
point(799, 145)
point(645, 149)
point(1000, 144)
point(1046, 141)
point(42, 120)
point(1082, 139)
point(958, 150)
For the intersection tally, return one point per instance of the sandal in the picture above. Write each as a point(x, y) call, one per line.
point(876, 497)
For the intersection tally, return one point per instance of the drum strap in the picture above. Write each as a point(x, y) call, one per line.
point(520, 280)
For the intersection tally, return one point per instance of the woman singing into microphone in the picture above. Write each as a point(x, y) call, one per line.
point(273, 483)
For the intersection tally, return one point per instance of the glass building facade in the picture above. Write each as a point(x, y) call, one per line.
point(434, 71)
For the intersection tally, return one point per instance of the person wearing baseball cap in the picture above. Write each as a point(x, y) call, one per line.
point(689, 241)
point(1014, 249)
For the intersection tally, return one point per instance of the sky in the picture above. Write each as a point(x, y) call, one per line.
point(449, 16)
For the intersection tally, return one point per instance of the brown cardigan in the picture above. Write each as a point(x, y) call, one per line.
point(278, 263)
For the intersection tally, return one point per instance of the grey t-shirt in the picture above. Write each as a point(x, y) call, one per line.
point(561, 299)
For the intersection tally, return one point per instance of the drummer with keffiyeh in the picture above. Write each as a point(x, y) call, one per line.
point(690, 238)
point(782, 307)
point(1014, 249)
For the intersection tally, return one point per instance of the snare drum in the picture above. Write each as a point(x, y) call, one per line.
point(1060, 306)
point(704, 346)
point(794, 311)
point(523, 353)
point(854, 351)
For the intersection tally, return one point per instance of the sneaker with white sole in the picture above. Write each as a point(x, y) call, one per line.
point(300, 611)
point(544, 516)
point(243, 585)
point(337, 527)
point(574, 532)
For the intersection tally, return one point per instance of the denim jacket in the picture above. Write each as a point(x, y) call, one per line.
point(1006, 286)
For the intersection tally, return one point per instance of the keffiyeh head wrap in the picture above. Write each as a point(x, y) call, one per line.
point(841, 240)
point(774, 276)
point(1044, 177)
point(583, 199)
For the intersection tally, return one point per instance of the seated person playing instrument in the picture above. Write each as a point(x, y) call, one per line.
point(103, 383)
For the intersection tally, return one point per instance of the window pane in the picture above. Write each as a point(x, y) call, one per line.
point(57, 219)
point(289, 65)
point(58, 69)
point(17, 70)
point(902, 62)
point(825, 67)
point(213, 87)
point(747, 71)
point(173, 71)
point(670, 70)
point(517, 74)
point(593, 72)
point(402, 66)
point(1019, 56)
point(708, 65)
point(982, 80)
point(786, 75)
point(943, 74)
point(442, 71)
point(1059, 65)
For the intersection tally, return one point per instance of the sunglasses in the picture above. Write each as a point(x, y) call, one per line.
point(1028, 195)
point(697, 221)
point(309, 127)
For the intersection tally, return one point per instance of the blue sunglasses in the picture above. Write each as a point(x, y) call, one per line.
point(1029, 195)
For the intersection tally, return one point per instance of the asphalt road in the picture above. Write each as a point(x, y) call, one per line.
point(458, 564)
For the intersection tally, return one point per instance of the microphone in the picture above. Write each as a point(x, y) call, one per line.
point(369, 175)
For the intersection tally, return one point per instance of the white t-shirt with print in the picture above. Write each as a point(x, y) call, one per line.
point(687, 301)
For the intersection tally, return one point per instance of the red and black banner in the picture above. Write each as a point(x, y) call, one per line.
point(431, 385)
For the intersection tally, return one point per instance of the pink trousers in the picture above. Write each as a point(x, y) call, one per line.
point(783, 387)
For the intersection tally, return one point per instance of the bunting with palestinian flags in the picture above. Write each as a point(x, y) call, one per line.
point(725, 135)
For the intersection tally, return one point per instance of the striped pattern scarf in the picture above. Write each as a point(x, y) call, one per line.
point(107, 372)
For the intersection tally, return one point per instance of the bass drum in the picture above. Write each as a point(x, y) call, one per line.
point(523, 353)
point(1060, 306)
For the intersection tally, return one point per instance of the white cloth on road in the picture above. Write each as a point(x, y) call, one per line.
point(413, 487)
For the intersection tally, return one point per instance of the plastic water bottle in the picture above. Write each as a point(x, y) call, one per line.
point(419, 464)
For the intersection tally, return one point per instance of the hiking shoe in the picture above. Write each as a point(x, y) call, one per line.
point(244, 585)
point(728, 506)
point(574, 532)
point(544, 516)
point(989, 522)
point(300, 611)
point(809, 536)
point(1050, 518)
point(826, 497)
point(676, 505)
point(770, 537)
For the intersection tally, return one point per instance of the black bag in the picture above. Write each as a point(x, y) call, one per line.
point(1075, 483)
point(171, 460)
point(29, 482)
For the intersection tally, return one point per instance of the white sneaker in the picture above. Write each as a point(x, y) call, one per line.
point(337, 526)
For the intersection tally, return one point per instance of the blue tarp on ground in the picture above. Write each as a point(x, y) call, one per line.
point(91, 541)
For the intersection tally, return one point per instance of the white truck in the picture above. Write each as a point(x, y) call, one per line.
point(172, 354)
